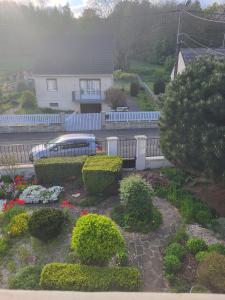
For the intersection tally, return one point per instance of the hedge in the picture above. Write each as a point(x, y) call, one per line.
point(75, 277)
point(58, 169)
point(101, 174)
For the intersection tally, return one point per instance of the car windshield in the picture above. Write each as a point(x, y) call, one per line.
point(55, 141)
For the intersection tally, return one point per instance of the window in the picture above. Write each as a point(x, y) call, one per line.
point(51, 84)
point(74, 144)
point(90, 87)
point(54, 104)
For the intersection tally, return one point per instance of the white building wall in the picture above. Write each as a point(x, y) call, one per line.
point(65, 86)
point(181, 66)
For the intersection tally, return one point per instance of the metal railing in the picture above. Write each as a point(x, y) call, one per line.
point(87, 95)
point(30, 119)
point(22, 153)
point(132, 116)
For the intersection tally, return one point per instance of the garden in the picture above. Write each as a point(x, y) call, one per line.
point(82, 223)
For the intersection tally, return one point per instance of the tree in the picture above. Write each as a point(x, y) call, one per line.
point(193, 118)
point(115, 97)
point(28, 100)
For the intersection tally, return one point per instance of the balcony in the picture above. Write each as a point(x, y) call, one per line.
point(88, 96)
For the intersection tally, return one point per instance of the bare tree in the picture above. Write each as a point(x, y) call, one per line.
point(103, 7)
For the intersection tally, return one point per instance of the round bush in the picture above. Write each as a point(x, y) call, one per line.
point(46, 223)
point(195, 245)
point(211, 272)
point(19, 224)
point(96, 239)
point(135, 196)
point(203, 217)
point(26, 279)
point(176, 249)
point(172, 263)
point(201, 255)
point(217, 247)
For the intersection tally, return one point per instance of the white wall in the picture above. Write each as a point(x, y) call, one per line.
point(65, 86)
point(181, 66)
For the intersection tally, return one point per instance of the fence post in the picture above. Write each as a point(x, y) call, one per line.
point(141, 151)
point(103, 113)
point(62, 120)
point(112, 146)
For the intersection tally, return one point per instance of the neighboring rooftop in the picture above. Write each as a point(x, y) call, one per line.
point(72, 54)
point(189, 54)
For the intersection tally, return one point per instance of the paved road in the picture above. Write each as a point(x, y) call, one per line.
point(36, 138)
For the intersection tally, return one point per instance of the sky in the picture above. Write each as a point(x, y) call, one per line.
point(78, 6)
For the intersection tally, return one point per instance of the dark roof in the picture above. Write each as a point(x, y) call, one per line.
point(189, 54)
point(71, 55)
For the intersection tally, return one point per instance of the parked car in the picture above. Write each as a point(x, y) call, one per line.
point(67, 145)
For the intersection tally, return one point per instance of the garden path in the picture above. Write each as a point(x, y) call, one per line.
point(145, 250)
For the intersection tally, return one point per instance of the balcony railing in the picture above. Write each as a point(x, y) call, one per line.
point(83, 96)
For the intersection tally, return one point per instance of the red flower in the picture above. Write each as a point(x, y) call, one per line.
point(66, 203)
point(84, 212)
point(20, 201)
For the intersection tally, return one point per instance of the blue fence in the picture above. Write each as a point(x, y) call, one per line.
point(32, 119)
point(132, 116)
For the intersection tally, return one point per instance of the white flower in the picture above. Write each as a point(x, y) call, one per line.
point(38, 193)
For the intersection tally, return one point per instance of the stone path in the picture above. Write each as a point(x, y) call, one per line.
point(195, 230)
point(145, 249)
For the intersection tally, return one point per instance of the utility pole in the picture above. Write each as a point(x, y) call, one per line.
point(181, 8)
point(178, 43)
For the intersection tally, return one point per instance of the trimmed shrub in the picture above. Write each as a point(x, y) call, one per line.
point(134, 89)
point(101, 174)
point(56, 170)
point(58, 276)
point(19, 224)
point(196, 245)
point(115, 97)
point(201, 255)
point(3, 246)
point(217, 247)
point(96, 239)
point(26, 279)
point(135, 196)
point(176, 249)
point(46, 223)
point(28, 100)
point(172, 263)
point(211, 272)
point(12, 212)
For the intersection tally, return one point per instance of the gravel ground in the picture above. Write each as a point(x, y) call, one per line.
point(195, 230)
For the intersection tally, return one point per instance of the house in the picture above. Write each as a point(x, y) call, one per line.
point(187, 55)
point(73, 73)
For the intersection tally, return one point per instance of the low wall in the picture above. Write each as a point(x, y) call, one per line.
point(21, 170)
point(156, 162)
point(130, 125)
point(31, 128)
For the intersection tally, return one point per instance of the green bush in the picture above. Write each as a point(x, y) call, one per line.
point(12, 212)
point(201, 255)
point(96, 239)
point(135, 196)
point(18, 224)
point(181, 236)
point(217, 247)
point(3, 246)
point(134, 89)
point(26, 279)
point(196, 245)
point(172, 263)
point(28, 100)
point(101, 174)
point(46, 223)
point(55, 170)
point(211, 272)
point(58, 276)
point(176, 249)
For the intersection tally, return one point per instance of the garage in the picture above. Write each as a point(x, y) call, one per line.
point(90, 108)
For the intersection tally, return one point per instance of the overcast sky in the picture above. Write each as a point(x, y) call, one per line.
point(78, 5)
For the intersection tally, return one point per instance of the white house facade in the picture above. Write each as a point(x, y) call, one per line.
point(77, 78)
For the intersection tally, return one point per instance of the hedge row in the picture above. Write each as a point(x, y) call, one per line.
point(58, 169)
point(101, 174)
point(60, 276)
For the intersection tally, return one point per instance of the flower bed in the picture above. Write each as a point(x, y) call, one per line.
point(39, 194)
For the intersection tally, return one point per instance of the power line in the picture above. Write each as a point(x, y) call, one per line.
point(202, 45)
point(203, 19)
